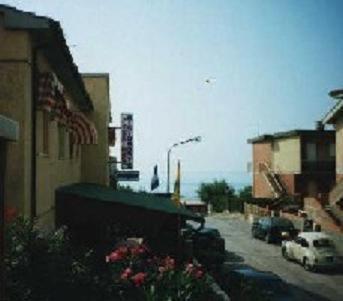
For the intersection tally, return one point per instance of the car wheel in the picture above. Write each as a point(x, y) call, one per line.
point(284, 253)
point(307, 265)
point(268, 238)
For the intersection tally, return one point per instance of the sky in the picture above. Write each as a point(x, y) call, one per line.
point(270, 63)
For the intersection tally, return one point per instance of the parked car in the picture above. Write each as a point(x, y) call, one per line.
point(251, 284)
point(208, 245)
point(314, 250)
point(273, 229)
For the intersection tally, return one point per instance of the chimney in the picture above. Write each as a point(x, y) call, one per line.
point(320, 126)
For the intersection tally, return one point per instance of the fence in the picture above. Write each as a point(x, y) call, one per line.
point(253, 212)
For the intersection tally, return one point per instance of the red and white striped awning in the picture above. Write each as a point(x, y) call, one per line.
point(82, 129)
point(52, 99)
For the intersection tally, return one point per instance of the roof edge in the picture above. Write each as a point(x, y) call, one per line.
point(287, 134)
point(39, 25)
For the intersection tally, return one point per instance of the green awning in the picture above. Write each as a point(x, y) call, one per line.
point(146, 201)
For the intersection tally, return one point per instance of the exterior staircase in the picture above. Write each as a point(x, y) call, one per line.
point(336, 213)
point(334, 207)
point(272, 180)
point(336, 194)
point(324, 214)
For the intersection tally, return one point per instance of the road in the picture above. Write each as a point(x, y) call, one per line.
point(244, 250)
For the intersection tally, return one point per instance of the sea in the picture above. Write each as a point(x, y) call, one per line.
point(190, 184)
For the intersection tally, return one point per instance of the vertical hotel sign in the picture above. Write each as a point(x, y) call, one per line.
point(126, 141)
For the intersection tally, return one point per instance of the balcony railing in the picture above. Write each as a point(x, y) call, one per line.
point(318, 166)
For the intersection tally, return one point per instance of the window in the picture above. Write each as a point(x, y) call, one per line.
point(332, 150)
point(298, 240)
point(45, 138)
point(323, 243)
point(304, 243)
point(311, 152)
point(61, 141)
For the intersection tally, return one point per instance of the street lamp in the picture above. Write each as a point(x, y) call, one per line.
point(194, 139)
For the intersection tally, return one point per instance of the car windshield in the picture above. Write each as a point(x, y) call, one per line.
point(209, 231)
point(323, 243)
point(283, 223)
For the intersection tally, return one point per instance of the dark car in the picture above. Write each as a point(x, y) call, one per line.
point(250, 284)
point(208, 245)
point(273, 229)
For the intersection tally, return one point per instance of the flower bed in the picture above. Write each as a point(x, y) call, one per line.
point(140, 275)
point(48, 267)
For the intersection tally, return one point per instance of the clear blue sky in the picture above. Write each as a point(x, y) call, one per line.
point(274, 63)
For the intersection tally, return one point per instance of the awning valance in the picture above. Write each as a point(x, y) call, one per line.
point(51, 98)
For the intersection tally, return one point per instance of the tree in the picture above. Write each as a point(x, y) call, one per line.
point(217, 193)
point(245, 193)
point(125, 188)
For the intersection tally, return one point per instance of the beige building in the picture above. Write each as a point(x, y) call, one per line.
point(95, 158)
point(335, 117)
point(298, 163)
point(63, 117)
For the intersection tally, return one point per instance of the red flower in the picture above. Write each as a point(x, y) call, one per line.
point(161, 269)
point(189, 268)
point(122, 251)
point(139, 278)
point(114, 256)
point(198, 274)
point(169, 263)
point(10, 214)
point(126, 274)
point(137, 250)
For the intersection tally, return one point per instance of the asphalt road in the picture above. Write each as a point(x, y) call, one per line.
point(242, 249)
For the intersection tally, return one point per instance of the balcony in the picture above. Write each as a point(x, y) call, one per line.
point(318, 166)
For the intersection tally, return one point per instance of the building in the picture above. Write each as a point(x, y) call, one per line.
point(63, 116)
point(298, 163)
point(95, 158)
point(335, 117)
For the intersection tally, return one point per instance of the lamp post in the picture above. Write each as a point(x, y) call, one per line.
point(194, 139)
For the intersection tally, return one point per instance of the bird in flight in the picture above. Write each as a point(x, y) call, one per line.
point(210, 80)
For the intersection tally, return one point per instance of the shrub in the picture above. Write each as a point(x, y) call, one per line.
point(139, 275)
point(46, 267)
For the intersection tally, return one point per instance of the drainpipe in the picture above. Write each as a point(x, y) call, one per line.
point(2, 215)
point(34, 87)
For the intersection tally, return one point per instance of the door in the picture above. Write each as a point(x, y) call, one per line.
point(296, 248)
point(300, 248)
point(312, 189)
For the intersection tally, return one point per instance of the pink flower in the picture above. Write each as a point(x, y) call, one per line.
point(189, 268)
point(122, 251)
point(10, 214)
point(198, 274)
point(137, 250)
point(161, 269)
point(139, 278)
point(169, 263)
point(114, 256)
point(126, 274)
